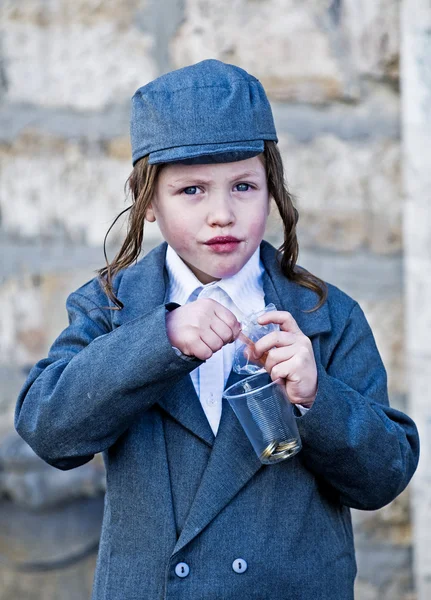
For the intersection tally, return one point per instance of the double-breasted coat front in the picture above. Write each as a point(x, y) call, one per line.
point(190, 516)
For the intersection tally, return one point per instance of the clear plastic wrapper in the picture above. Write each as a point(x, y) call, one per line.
point(252, 331)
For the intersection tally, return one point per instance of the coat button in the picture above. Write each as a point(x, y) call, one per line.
point(182, 569)
point(239, 565)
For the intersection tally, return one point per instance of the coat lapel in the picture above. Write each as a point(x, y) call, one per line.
point(144, 285)
point(183, 405)
point(231, 465)
point(233, 461)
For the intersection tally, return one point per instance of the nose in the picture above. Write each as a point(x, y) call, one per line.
point(220, 213)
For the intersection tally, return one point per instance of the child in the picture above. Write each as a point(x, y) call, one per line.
point(190, 512)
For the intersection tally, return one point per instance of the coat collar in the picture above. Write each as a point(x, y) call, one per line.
point(143, 286)
point(290, 296)
point(233, 461)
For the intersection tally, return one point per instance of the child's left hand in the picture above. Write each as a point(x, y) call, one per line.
point(290, 356)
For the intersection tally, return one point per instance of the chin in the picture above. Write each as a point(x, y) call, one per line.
point(219, 271)
point(224, 273)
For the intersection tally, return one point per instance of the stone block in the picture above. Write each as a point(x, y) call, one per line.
point(119, 148)
point(372, 33)
point(417, 219)
point(84, 55)
point(87, 12)
point(22, 337)
point(418, 271)
point(348, 194)
point(72, 190)
point(279, 41)
point(301, 51)
point(386, 318)
point(367, 591)
point(389, 525)
point(12, 379)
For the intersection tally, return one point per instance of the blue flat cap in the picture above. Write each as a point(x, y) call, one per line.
point(204, 113)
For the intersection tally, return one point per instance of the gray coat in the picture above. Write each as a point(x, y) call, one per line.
point(175, 494)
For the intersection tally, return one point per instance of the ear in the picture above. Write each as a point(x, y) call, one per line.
point(150, 215)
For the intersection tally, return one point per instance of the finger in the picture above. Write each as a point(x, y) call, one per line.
point(198, 348)
point(202, 350)
point(285, 370)
point(227, 316)
point(275, 339)
point(212, 339)
point(278, 355)
point(226, 333)
point(282, 318)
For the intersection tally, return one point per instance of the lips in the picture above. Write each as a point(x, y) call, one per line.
point(223, 239)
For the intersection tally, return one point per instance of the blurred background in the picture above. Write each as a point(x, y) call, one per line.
point(350, 86)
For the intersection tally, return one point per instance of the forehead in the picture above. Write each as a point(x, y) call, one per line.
point(251, 167)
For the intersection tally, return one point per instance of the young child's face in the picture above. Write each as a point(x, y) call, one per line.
point(196, 204)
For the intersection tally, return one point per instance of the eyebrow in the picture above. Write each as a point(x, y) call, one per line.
point(200, 181)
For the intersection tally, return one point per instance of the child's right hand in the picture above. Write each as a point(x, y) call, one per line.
point(201, 328)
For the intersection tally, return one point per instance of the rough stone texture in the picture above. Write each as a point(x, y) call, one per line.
point(371, 31)
point(386, 319)
point(73, 583)
point(367, 591)
point(34, 545)
point(307, 51)
point(83, 55)
point(11, 382)
point(95, 127)
point(292, 55)
point(33, 484)
point(416, 19)
point(45, 13)
point(58, 172)
point(376, 117)
point(348, 195)
point(383, 549)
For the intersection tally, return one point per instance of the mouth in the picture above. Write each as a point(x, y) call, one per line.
point(222, 239)
point(223, 244)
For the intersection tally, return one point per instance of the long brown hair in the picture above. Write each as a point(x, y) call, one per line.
point(141, 185)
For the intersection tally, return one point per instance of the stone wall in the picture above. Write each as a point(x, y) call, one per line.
point(416, 51)
point(331, 70)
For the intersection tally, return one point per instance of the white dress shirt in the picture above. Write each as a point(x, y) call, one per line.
point(243, 295)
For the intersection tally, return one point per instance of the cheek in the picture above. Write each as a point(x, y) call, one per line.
point(257, 223)
point(177, 231)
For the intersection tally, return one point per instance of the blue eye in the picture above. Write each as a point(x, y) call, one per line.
point(186, 190)
point(247, 185)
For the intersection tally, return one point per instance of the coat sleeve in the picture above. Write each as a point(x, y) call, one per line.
point(352, 438)
point(94, 382)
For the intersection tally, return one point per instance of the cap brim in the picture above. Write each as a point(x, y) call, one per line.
point(208, 153)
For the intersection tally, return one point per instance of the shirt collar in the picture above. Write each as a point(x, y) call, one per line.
point(182, 281)
point(242, 286)
point(246, 286)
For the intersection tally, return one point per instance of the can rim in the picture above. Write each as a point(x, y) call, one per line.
point(249, 393)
